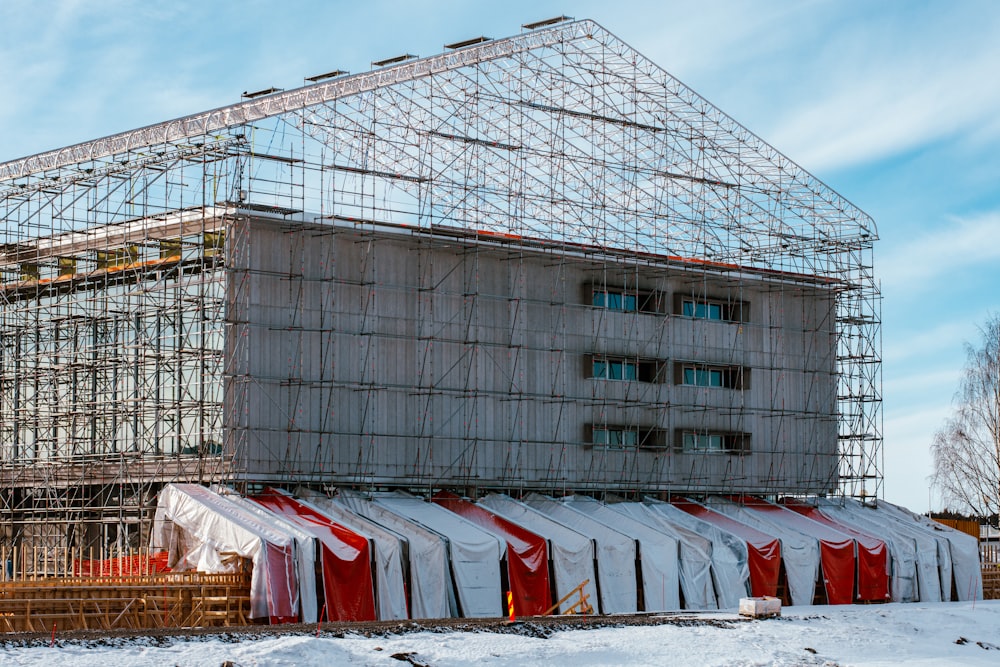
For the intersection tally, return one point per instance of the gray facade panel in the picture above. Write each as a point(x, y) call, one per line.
point(386, 358)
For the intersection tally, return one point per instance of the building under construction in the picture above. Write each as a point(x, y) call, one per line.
point(531, 263)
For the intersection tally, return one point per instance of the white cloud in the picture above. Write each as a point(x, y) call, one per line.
point(889, 110)
point(838, 84)
point(960, 244)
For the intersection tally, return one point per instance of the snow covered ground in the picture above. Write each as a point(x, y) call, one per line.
point(915, 634)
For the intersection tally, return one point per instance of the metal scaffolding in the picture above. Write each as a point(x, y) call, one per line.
point(123, 261)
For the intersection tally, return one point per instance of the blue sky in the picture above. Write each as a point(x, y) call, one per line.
point(894, 104)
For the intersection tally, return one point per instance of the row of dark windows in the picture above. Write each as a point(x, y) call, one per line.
point(690, 441)
point(605, 367)
point(684, 305)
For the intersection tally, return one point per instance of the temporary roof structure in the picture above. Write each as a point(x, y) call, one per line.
point(389, 553)
point(966, 568)
point(872, 553)
point(615, 554)
point(348, 587)
point(572, 554)
point(694, 552)
point(197, 526)
point(475, 554)
point(431, 590)
point(658, 559)
point(305, 552)
point(902, 546)
point(799, 553)
point(926, 548)
point(730, 571)
point(763, 549)
point(835, 548)
point(527, 554)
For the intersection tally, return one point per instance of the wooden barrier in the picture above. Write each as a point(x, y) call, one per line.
point(187, 599)
point(989, 553)
point(991, 583)
point(967, 526)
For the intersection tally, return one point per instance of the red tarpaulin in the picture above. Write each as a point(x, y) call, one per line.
point(873, 554)
point(835, 548)
point(763, 550)
point(347, 575)
point(126, 566)
point(527, 554)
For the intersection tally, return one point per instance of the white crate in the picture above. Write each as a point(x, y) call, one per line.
point(764, 607)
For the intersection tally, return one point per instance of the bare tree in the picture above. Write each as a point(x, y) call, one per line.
point(966, 449)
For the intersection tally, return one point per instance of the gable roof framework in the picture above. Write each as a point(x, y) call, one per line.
point(564, 135)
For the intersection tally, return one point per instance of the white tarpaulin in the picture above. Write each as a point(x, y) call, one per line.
point(196, 526)
point(475, 554)
point(305, 552)
point(572, 554)
point(902, 547)
point(730, 569)
point(926, 548)
point(799, 552)
point(695, 555)
point(430, 581)
point(615, 554)
point(964, 552)
point(388, 553)
point(657, 558)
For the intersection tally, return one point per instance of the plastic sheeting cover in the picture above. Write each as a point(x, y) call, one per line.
point(694, 555)
point(799, 553)
point(835, 548)
point(305, 553)
point(763, 549)
point(389, 553)
point(475, 555)
point(615, 554)
point(572, 554)
point(872, 553)
point(659, 560)
point(527, 554)
point(348, 588)
point(964, 552)
point(730, 569)
point(200, 524)
point(430, 579)
point(902, 547)
point(926, 548)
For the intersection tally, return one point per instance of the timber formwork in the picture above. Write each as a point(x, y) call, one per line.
point(131, 281)
point(169, 600)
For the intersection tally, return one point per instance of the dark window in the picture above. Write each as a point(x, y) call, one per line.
point(617, 436)
point(621, 368)
point(702, 310)
point(626, 299)
point(615, 369)
point(706, 308)
point(614, 437)
point(616, 299)
point(694, 442)
point(707, 375)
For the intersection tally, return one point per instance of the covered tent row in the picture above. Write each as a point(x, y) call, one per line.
point(387, 556)
point(203, 531)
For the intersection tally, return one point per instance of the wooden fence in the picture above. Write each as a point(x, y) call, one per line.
point(989, 553)
point(991, 583)
point(967, 526)
point(185, 599)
